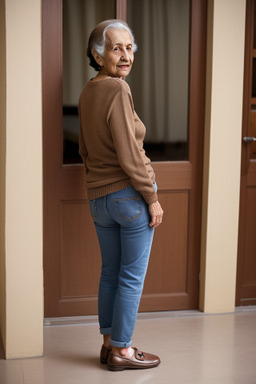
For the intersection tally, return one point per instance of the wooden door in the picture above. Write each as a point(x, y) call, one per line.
point(71, 252)
point(246, 269)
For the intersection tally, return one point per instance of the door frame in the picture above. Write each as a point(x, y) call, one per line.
point(52, 149)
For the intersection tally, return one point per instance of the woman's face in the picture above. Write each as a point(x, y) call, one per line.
point(118, 56)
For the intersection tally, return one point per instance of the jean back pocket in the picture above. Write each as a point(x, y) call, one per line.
point(128, 208)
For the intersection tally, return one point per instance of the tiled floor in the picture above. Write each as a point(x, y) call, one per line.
point(194, 348)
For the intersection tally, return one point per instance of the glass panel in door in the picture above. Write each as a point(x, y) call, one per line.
point(79, 18)
point(160, 76)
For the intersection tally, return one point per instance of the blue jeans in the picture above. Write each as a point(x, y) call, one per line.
point(125, 237)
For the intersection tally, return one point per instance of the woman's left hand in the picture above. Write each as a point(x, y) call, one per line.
point(156, 213)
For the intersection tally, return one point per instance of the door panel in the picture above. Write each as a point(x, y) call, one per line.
point(75, 214)
point(250, 238)
point(71, 251)
point(174, 247)
point(246, 269)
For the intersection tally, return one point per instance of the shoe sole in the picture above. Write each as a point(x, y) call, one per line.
point(121, 368)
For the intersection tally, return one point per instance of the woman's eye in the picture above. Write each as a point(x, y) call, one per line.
point(116, 49)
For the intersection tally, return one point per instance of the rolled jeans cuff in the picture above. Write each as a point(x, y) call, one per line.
point(120, 344)
point(114, 343)
point(105, 331)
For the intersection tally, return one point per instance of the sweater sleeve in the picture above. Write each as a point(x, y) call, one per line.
point(130, 156)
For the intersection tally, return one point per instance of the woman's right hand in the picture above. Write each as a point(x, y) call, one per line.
point(156, 213)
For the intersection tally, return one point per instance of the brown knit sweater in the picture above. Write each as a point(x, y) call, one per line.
point(111, 141)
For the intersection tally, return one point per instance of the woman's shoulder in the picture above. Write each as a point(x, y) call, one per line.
point(110, 86)
point(118, 84)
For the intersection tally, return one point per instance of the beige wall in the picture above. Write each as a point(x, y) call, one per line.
point(23, 330)
point(222, 160)
point(2, 168)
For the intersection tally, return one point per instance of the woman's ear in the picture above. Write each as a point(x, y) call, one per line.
point(97, 57)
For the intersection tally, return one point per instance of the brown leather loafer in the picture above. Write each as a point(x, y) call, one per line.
point(139, 360)
point(104, 353)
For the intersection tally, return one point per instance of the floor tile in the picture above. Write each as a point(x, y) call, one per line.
point(11, 372)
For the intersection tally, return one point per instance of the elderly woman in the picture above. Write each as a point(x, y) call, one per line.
point(121, 189)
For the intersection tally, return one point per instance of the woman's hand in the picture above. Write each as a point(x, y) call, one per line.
point(156, 213)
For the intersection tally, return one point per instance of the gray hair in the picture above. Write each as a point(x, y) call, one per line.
point(97, 39)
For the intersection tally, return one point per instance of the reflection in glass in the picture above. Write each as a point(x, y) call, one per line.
point(160, 77)
point(79, 18)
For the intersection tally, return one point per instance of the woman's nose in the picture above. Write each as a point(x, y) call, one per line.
point(125, 55)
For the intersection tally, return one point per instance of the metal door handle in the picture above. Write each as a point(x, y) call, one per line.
point(249, 139)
